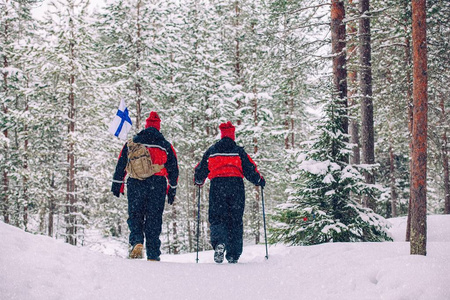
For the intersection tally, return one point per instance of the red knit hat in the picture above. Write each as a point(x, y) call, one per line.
point(227, 130)
point(153, 120)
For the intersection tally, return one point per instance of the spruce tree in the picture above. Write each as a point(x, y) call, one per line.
point(320, 210)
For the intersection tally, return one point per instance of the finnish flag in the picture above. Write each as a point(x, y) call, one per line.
point(121, 124)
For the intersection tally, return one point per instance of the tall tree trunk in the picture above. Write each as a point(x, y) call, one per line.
point(289, 123)
point(292, 119)
point(255, 206)
point(176, 241)
point(51, 214)
point(71, 199)
point(138, 84)
point(51, 206)
point(25, 167)
point(393, 207)
point(339, 57)
point(353, 123)
point(192, 209)
point(409, 104)
point(444, 151)
point(419, 157)
point(5, 181)
point(365, 84)
point(352, 94)
point(288, 94)
point(286, 122)
point(237, 54)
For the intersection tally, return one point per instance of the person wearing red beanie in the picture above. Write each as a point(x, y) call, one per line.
point(153, 120)
point(227, 130)
point(226, 164)
point(146, 197)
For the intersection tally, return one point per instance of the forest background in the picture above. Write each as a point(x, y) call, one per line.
point(264, 65)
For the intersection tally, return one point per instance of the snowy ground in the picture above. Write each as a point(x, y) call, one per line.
point(38, 267)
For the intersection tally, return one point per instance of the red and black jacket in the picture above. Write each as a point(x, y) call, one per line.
point(161, 152)
point(226, 159)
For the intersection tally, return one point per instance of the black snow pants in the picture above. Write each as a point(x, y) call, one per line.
point(146, 199)
point(226, 209)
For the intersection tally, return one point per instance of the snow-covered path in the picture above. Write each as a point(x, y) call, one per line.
point(38, 267)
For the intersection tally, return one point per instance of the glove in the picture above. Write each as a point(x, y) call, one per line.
point(262, 182)
point(171, 195)
point(115, 189)
point(199, 184)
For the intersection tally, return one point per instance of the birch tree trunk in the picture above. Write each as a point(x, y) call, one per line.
point(419, 137)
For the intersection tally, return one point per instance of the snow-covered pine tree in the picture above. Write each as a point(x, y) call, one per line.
point(320, 209)
point(16, 31)
point(68, 67)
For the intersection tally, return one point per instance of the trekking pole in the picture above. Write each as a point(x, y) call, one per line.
point(264, 220)
point(198, 221)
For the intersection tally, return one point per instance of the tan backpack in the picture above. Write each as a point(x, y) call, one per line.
point(139, 163)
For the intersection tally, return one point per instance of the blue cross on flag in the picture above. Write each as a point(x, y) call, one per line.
point(121, 124)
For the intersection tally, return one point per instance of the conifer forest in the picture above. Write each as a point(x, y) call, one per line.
point(343, 104)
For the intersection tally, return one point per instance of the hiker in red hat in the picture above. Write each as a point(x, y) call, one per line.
point(226, 164)
point(153, 173)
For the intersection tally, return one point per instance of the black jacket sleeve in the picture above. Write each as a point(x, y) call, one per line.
point(249, 168)
point(172, 167)
point(120, 172)
point(202, 170)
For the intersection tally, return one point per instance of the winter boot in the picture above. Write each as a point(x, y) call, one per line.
point(232, 260)
point(136, 252)
point(219, 253)
point(154, 259)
